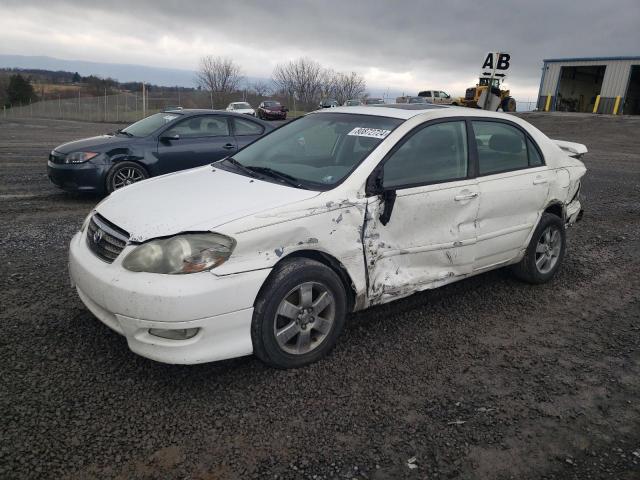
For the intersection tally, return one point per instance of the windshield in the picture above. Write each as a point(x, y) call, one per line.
point(148, 125)
point(318, 150)
point(271, 104)
point(374, 101)
point(240, 106)
point(352, 103)
point(417, 100)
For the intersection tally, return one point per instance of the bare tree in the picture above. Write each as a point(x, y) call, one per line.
point(300, 78)
point(262, 89)
point(220, 76)
point(327, 85)
point(348, 85)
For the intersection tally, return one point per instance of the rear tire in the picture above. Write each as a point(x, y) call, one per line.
point(545, 252)
point(299, 314)
point(123, 174)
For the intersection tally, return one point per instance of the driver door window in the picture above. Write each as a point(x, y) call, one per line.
point(207, 126)
point(437, 153)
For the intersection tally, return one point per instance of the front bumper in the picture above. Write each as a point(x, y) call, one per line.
point(130, 303)
point(80, 177)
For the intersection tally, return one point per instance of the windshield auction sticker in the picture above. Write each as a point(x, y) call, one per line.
point(369, 132)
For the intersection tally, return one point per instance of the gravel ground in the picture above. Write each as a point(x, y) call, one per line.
point(484, 379)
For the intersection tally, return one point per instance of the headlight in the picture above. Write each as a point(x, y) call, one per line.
point(79, 157)
point(187, 253)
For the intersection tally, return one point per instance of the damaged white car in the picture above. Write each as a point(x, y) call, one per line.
point(267, 251)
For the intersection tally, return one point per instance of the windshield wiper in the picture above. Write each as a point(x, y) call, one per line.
point(237, 165)
point(124, 133)
point(286, 178)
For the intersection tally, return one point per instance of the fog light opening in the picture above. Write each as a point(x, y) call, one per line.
point(177, 334)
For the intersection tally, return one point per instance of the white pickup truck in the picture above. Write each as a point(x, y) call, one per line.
point(437, 96)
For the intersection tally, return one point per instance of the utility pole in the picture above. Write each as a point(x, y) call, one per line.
point(105, 104)
point(144, 106)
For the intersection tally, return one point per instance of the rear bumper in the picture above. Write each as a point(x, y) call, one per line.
point(274, 116)
point(574, 213)
point(83, 177)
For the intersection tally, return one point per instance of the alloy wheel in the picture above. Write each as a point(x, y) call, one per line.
point(304, 318)
point(548, 249)
point(126, 176)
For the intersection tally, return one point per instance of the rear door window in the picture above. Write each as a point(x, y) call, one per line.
point(501, 147)
point(247, 127)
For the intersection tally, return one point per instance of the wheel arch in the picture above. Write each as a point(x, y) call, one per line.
point(556, 207)
point(327, 260)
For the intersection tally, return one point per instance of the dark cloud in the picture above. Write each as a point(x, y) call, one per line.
point(444, 41)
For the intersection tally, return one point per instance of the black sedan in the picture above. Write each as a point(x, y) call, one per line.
point(161, 143)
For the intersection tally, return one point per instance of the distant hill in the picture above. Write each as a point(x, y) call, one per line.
point(167, 77)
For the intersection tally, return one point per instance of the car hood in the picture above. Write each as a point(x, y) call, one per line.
point(98, 144)
point(244, 110)
point(199, 199)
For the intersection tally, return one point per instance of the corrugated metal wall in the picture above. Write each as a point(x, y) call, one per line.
point(614, 82)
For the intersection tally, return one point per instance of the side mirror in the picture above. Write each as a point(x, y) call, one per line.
point(169, 138)
point(375, 187)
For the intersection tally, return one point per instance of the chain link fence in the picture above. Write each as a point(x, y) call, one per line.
point(125, 107)
point(120, 108)
point(128, 107)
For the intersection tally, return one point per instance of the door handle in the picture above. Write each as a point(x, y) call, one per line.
point(540, 181)
point(466, 196)
point(228, 146)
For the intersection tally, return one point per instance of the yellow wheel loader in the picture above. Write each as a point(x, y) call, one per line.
point(475, 97)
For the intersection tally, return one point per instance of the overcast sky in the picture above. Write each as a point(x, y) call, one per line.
point(404, 45)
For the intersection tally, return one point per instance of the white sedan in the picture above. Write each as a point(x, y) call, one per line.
point(268, 251)
point(241, 107)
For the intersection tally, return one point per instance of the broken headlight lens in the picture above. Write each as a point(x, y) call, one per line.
point(187, 253)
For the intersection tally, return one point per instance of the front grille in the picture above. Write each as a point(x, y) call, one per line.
point(56, 157)
point(104, 239)
point(470, 93)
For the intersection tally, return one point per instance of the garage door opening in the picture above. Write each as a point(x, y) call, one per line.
point(579, 87)
point(632, 97)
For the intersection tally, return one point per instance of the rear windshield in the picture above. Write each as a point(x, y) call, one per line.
point(271, 104)
point(150, 124)
point(241, 105)
point(319, 150)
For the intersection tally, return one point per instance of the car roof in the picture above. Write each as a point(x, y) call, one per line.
point(394, 110)
point(405, 111)
point(201, 111)
point(195, 111)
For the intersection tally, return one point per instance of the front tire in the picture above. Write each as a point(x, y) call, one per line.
point(299, 314)
point(545, 252)
point(508, 104)
point(123, 174)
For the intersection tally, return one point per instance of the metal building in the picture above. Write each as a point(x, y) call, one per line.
point(598, 85)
